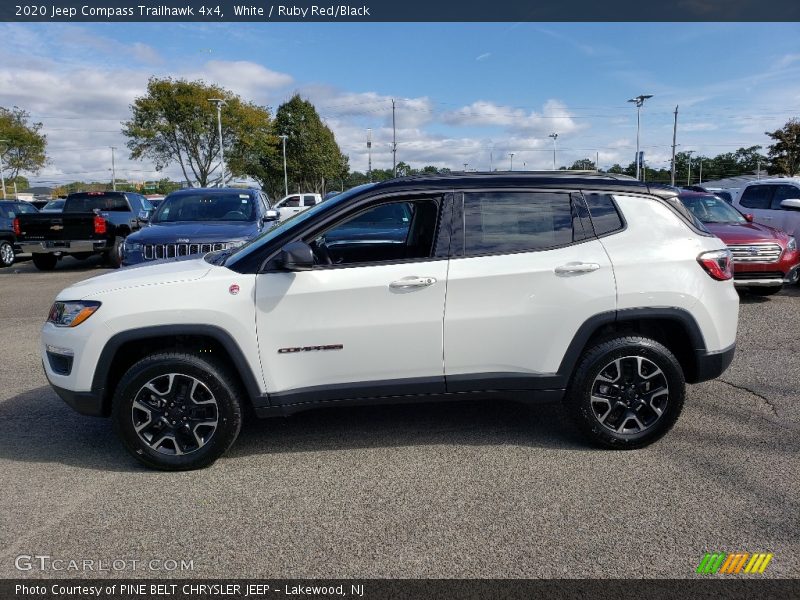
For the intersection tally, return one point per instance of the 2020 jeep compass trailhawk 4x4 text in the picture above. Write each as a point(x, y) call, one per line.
point(597, 290)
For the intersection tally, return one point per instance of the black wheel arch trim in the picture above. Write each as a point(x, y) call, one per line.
point(112, 346)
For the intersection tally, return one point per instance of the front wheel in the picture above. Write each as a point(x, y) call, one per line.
point(177, 412)
point(6, 253)
point(627, 392)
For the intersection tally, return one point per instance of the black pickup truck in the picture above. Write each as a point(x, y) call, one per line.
point(91, 223)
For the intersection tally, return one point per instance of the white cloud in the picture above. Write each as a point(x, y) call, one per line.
point(249, 79)
point(554, 116)
point(483, 56)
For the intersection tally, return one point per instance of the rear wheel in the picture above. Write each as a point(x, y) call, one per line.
point(177, 412)
point(113, 255)
point(45, 262)
point(6, 253)
point(764, 291)
point(627, 392)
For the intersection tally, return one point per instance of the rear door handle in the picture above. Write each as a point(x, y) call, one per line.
point(576, 268)
point(412, 282)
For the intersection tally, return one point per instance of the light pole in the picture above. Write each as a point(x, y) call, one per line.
point(285, 176)
point(465, 166)
point(555, 137)
point(2, 177)
point(511, 156)
point(639, 101)
point(369, 154)
point(113, 171)
point(689, 176)
point(219, 102)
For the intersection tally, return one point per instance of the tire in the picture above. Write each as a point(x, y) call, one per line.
point(616, 404)
point(764, 291)
point(211, 422)
point(45, 262)
point(7, 255)
point(113, 256)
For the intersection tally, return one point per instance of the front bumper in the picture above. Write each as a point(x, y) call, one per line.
point(710, 365)
point(86, 403)
point(68, 246)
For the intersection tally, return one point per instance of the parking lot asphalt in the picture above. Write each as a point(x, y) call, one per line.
point(479, 490)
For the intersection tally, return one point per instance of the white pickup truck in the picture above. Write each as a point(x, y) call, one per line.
point(295, 203)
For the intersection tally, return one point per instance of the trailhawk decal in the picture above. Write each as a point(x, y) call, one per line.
point(310, 348)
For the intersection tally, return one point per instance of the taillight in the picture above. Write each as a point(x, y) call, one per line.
point(99, 225)
point(17, 230)
point(717, 263)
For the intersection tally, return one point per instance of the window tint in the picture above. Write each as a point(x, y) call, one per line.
point(89, 201)
point(757, 196)
point(309, 200)
point(516, 221)
point(395, 231)
point(784, 192)
point(605, 217)
point(213, 206)
point(292, 202)
point(25, 208)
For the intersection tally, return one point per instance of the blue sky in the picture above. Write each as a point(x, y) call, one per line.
point(462, 90)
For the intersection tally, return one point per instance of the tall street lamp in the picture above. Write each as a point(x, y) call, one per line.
point(219, 102)
point(639, 101)
point(511, 157)
point(689, 176)
point(369, 154)
point(555, 137)
point(285, 176)
point(2, 177)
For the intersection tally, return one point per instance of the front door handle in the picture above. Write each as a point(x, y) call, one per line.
point(576, 268)
point(412, 282)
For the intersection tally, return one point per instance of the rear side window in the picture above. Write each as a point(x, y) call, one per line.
point(309, 200)
point(757, 196)
point(516, 221)
point(605, 216)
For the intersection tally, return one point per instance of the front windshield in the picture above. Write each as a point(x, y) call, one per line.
point(296, 219)
point(712, 209)
point(206, 206)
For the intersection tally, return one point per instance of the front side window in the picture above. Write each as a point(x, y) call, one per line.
point(200, 206)
point(498, 222)
point(757, 196)
point(784, 192)
point(387, 232)
point(291, 202)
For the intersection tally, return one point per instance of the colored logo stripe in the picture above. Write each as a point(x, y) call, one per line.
point(734, 563)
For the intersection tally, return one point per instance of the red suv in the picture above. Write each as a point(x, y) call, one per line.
point(763, 257)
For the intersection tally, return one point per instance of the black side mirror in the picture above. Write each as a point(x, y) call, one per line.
point(296, 256)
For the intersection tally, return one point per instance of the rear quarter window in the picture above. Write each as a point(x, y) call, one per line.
point(605, 216)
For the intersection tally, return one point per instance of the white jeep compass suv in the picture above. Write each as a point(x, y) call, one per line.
point(593, 289)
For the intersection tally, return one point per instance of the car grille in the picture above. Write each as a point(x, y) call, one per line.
point(763, 253)
point(157, 251)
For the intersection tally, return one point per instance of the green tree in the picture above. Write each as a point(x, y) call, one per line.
point(23, 148)
point(784, 154)
point(175, 122)
point(312, 155)
point(583, 164)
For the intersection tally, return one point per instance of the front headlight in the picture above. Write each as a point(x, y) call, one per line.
point(236, 244)
point(71, 313)
point(131, 247)
point(792, 245)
